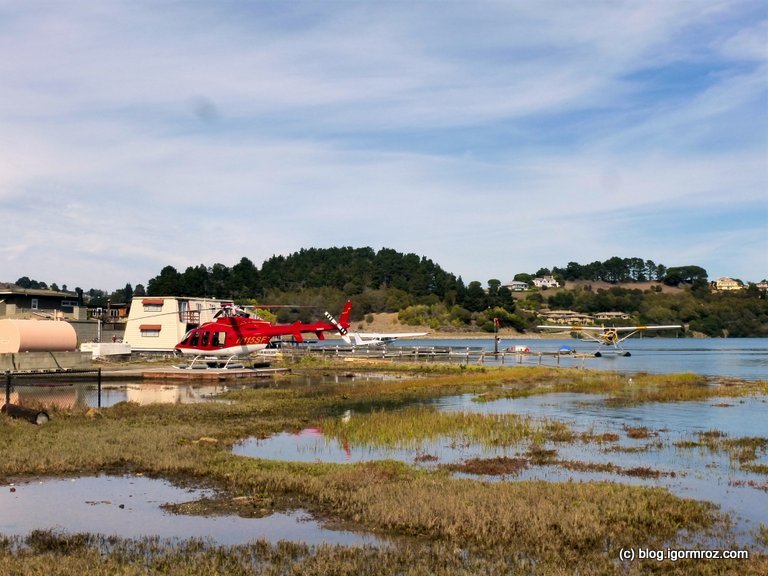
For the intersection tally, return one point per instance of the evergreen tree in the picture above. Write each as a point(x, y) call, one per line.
point(475, 299)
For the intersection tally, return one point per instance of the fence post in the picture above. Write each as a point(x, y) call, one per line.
point(98, 387)
point(7, 386)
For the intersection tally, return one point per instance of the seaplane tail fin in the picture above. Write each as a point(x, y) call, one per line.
point(358, 340)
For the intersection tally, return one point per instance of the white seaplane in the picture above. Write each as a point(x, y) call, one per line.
point(609, 335)
point(376, 338)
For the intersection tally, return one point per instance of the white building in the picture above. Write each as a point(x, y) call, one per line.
point(516, 286)
point(545, 282)
point(157, 324)
point(727, 284)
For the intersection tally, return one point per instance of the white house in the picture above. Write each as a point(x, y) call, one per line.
point(545, 282)
point(157, 324)
point(612, 316)
point(516, 286)
point(727, 284)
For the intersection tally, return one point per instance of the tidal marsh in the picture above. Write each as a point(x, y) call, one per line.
point(438, 523)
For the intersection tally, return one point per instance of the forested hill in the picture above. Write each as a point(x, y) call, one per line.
point(422, 293)
point(355, 270)
point(350, 270)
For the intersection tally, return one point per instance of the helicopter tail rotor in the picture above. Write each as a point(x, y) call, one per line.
point(336, 324)
point(343, 324)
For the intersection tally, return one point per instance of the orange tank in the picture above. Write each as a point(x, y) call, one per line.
point(36, 336)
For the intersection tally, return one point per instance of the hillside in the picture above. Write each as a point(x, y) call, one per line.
point(385, 322)
point(602, 285)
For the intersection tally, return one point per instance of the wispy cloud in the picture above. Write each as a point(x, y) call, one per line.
point(492, 137)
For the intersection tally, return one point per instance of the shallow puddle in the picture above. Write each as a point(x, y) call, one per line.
point(734, 416)
point(645, 445)
point(67, 396)
point(162, 393)
point(131, 507)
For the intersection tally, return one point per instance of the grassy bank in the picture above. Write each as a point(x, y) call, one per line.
point(436, 523)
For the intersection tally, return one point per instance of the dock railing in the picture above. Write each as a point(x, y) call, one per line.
point(466, 355)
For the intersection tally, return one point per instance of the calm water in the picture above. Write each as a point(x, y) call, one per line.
point(745, 358)
point(698, 472)
point(130, 507)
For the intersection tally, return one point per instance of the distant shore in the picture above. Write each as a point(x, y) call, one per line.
point(387, 323)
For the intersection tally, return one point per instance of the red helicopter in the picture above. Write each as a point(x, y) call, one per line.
point(233, 332)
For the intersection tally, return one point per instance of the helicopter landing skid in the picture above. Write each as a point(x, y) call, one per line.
point(212, 362)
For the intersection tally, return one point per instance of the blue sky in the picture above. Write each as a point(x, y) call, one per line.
point(491, 137)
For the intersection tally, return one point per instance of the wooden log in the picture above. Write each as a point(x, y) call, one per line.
point(29, 414)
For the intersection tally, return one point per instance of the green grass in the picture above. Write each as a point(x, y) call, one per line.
point(413, 426)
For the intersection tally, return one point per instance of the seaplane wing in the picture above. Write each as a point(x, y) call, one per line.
point(618, 329)
point(377, 338)
point(610, 335)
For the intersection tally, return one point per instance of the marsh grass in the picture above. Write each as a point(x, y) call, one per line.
point(413, 426)
point(450, 525)
point(762, 534)
point(623, 390)
point(199, 558)
point(638, 432)
point(497, 466)
point(755, 468)
point(744, 450)
point(505, 465)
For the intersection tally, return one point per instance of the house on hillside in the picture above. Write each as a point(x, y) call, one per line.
point(157, 324)
point(726, 284)
point(610, 316)
point(516, 286)
point(566, 317)
point(545, 282)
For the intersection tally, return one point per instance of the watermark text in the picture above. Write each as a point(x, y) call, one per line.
point(675, 554)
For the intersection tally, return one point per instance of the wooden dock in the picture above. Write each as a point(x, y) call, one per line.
point(212, 374)
point(196, 375)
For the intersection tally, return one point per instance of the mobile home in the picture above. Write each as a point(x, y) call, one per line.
point(157, 324)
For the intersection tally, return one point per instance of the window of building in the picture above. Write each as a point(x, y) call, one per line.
point(152, 304)
point(150, 330)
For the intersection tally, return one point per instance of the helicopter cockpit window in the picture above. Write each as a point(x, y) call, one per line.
point(206, 336)
point(218, 339)
point(186, 337)
point(195, 338)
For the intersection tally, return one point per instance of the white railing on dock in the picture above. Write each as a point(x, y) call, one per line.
point(463, 355)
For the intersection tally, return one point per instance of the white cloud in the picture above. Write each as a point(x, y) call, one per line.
point(134, 135)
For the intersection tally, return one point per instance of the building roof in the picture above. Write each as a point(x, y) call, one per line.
point(10, 289)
